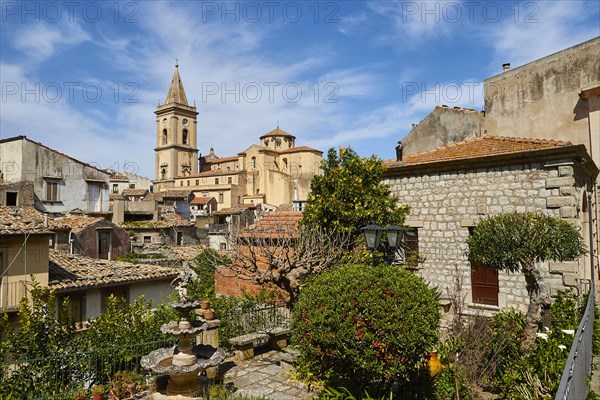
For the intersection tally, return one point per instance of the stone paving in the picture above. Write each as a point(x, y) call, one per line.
point(268, 376)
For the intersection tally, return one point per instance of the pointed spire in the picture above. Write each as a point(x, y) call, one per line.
point(176, 93)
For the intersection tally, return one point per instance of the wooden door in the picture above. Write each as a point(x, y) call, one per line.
point(104, 244)
point(484, 284)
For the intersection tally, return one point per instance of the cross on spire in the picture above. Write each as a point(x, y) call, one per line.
point(176, 62)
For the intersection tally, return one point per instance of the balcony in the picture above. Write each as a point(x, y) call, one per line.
point(11, 294)
point(217, 228)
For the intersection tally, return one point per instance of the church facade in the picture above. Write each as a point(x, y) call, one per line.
point(273, 174)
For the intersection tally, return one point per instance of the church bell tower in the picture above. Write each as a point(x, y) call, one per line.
point(176, 152)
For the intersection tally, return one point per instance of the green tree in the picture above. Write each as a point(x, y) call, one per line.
point(350, 195)
point(368, 326)
point(516, 242)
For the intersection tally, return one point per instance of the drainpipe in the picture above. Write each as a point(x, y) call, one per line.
point(70, 243)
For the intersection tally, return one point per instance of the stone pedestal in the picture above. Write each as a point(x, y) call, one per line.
point(211, 335)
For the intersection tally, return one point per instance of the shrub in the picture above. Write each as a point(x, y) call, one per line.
point(371, 326)
point(203, 287)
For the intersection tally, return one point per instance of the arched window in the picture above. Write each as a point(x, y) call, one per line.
point(253, 162)
point(285, 164)
point(164, 136)
point(185, 136)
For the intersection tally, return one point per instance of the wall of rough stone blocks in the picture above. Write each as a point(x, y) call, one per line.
point(444, 205)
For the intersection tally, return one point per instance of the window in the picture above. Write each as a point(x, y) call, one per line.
point(164, 136)
point(115, 188)
point(179, 238)
point(229, 180)
point(52, 193)
point(484, 283)
point(94, 197)
point(132, 186)
point(147, 239)
point(223, 246)
point(216, 181)
point(221, 198)
point(11, 199)
point(285, 164)
point(253, 162)
point(180, 183)
point(188, 182)
point(185, 136)
point(75, 309)
point(197, 182)
point(239, 200)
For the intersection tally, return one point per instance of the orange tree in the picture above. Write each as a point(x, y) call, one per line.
point(516, 242)
point(350, 195)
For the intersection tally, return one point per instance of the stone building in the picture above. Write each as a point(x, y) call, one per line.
point(93, 237)
point(449, 189)
point(275, 172)
point(170, 230)
point(176, 152)
point(556, 97)
point(60, 182)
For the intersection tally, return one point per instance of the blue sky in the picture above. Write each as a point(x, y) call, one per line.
point(85, 77)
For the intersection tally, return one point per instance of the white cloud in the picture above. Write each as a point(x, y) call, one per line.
point(350, 23)
point(41, 40)
point(544, 28)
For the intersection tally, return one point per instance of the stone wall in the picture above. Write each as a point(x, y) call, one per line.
point(441, 127)
point(444, 205)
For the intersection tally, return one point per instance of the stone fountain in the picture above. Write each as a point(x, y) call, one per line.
point(184, 362)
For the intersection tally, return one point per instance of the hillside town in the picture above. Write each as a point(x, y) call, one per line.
point(261, 223)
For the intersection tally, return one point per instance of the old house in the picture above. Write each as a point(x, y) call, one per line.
point(60, 182)
point(93, 237)
point(171, 230)
point(450, 188)
point(88, 282)
point(556, 97)
point(24, 241)
point(226, 224)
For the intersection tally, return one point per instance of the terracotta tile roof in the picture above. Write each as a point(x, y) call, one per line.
point(20, 220)
point(168, 221)
point(484, 146)
point(274, 225)
point(167, 194)
point(134, 192)
point(76, 223)
point(222, 160)
point(300, 149)
point(237, 209)
point(75, 271)
point(201, 200)
point(116, 177)
point(277, 132)
point(186, 253)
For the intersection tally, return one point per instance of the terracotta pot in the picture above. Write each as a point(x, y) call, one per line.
point(98, 396)
point(205, 304)
point(209, 315)
point(435, 365)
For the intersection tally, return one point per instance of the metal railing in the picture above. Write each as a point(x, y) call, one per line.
point(46, 378)
point(259, 319)
point(11, 294)
point(573, 384)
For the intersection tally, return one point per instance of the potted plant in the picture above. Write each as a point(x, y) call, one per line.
point(97, 392)
point(209, 314)
point(204, 304)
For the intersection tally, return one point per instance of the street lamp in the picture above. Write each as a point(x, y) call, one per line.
point(373, 234)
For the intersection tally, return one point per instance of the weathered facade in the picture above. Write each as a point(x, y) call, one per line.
point(60, 182)
point(451, 188)
point(89, 282)
point(170, 230)
point(23, 253)
point(93, 237)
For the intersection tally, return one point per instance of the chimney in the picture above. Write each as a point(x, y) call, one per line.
point(399, 152)
point(505, 66)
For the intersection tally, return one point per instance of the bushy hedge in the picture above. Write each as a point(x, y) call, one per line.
point(372, 326)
